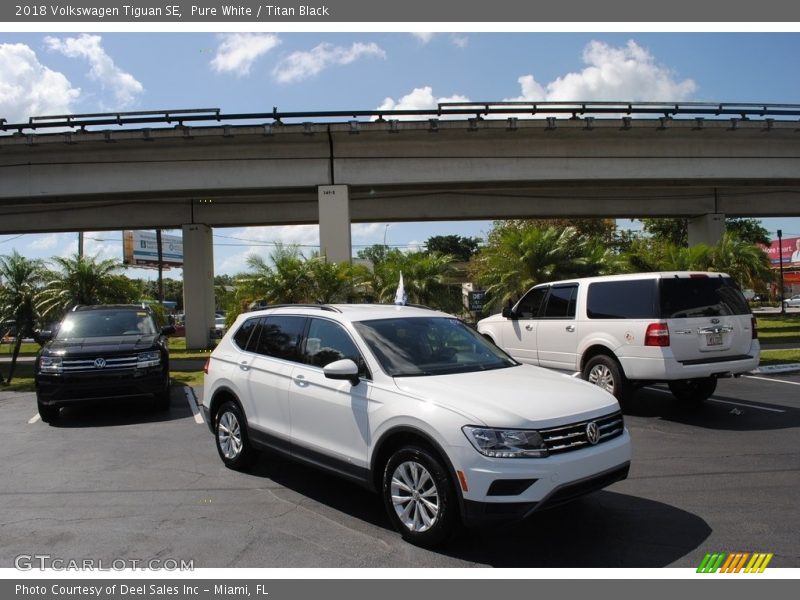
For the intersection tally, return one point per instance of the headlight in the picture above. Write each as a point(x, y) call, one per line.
point(50, 364)
point(148, 359)
point(506, 443)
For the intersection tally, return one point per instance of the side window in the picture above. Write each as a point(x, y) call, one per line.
point(328, 342)
point(634, 299)
point(561, 302)
point(242, 334)
point(528, 307)
point(279, 337)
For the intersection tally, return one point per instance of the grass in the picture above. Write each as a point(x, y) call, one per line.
point(779, 329)
point(780, 357)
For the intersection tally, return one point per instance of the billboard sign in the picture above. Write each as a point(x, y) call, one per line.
point(140, 249)
point(790, 249)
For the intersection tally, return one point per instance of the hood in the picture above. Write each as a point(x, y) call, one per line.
point(495, 318)
point(523, 396)
point(100, 345)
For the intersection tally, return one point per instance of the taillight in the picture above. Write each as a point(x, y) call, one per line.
point(657, 335)
point(754, 327)
point(205, 366)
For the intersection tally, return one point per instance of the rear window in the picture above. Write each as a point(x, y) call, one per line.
point(701, 297)
point(635, 299)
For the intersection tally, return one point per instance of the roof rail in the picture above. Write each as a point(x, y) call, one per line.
point(326, 307)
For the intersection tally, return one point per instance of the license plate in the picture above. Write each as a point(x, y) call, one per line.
point(713, 339)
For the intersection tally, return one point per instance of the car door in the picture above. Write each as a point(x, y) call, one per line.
point(274, 349)
point(557, 329)
point(519, 333)
point(330, 418)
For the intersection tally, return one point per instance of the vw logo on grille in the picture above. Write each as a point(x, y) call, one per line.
point(592, 433)
point(99, 363)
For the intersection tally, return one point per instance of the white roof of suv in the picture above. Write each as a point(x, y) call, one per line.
point(354, 312)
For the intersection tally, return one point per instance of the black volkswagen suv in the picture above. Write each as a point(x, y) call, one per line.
point(101, 353)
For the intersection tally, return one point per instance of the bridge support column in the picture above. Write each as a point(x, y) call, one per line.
point(334, 222)
point(706, 229)
point(198, 285)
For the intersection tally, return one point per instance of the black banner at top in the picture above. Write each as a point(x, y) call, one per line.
point(264, 12)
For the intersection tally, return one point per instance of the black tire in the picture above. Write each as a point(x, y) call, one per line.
point(606, 373)
point(693, 390)
point(230, 434)
point(47, 413)
point(162, 400)
point(429, 522)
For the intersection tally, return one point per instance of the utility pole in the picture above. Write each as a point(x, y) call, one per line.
point(780, 262)
point(160, 268)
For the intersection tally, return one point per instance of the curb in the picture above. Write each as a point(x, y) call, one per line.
point(775, 369)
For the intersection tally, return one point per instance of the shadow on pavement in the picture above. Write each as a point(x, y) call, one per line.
point(718, 412)
point(122, 412)
point(604, 529)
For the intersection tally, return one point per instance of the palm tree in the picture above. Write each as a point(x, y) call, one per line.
point(425, 278)
point(84, 280)
point(520, 256)
point(744, 261)
point(21, 284)
point(334, 282)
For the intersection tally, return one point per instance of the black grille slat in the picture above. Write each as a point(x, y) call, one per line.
point(566, 438)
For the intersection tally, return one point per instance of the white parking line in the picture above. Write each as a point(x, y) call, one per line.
point(771, 379)
point(652, 389)
point(747, 405)
point(190, 398)
point(34, 419)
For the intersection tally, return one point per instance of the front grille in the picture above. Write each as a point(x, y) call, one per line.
point(573, 436)
point(78, 365)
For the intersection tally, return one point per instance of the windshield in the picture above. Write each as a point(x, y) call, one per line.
point(106, 323)
point(412, 347)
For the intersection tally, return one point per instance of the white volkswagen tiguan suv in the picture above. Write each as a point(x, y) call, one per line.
point(413, 404)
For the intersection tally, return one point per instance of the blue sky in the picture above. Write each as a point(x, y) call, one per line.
point(56, 73)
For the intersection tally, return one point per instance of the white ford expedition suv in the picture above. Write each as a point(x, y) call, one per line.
point(624, 331)
point(416, 405)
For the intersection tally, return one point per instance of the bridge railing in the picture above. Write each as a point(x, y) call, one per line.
point(465, 110)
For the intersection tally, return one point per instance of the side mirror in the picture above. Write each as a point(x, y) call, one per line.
point(344, 369)
point(43, 337)
point(508, 311)
point(168, 330)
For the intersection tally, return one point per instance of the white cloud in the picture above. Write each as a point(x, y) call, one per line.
point(124, 86)
point(460, 41)
point(238, 51)
point(419, 99)
point(612, 74)
point(424, 37)
point(47, 242)
point(28, 88)
point(233, 259)
point(303, 65)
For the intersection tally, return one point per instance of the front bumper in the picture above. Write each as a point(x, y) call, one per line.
point(75, 388)
point(483, 513)
point(511, 489)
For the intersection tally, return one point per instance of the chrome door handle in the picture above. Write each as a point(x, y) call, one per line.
point(243, 365)
point(529, 327)
point(570, 328)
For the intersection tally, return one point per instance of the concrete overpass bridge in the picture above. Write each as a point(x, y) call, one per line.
point(199, 169)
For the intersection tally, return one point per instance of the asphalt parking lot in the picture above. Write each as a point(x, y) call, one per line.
point(126, 483)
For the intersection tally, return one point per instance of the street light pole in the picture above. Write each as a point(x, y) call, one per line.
point(780, 263)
